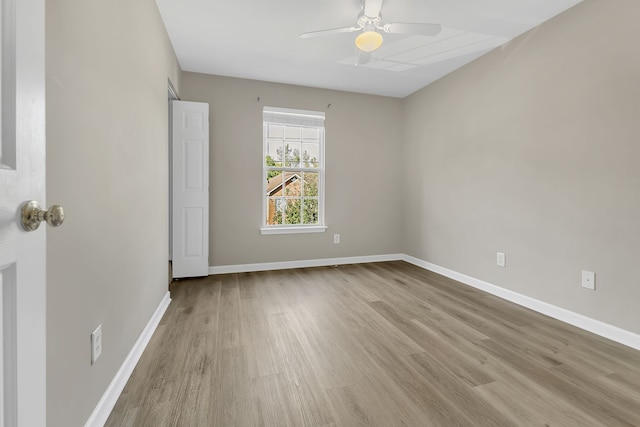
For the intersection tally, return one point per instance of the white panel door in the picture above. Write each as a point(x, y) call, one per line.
point(190, 186)
point(22, 177)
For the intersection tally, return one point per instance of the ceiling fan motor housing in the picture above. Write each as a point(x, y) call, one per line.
point(368, 23)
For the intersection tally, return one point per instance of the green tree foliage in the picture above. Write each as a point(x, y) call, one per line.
point(270, 162)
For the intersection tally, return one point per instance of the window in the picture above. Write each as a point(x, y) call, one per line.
point(293, 171)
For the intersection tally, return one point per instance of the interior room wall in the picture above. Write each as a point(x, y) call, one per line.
point(363, 184)
point(532, 150)
point(107, 70)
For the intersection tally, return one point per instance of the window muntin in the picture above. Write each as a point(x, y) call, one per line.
point(293, 168)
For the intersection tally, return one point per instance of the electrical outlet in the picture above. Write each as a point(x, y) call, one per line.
point(589, 280)
point(336, 239)
point(96, 344)
point(501, 259)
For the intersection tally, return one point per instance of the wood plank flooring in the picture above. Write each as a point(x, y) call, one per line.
point(384, 344)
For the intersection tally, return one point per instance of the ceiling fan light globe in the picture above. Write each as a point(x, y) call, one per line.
point(369, 41)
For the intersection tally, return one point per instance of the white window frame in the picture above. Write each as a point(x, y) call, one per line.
point(287, 116)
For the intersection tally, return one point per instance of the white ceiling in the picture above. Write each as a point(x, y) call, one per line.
point(259, 39)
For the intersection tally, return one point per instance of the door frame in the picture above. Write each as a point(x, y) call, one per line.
point(172, 95)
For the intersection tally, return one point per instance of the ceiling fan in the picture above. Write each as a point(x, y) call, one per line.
point(369, 23)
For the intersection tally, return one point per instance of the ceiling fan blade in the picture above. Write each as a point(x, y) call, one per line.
point(421, 29)
point(332, 31)
point(363, 57)
point(372, 8)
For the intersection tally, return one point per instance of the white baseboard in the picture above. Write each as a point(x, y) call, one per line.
point(100, 414)
point(597, 327)
point(245, 268)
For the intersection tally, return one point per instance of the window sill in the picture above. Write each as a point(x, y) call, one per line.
point(293, 230)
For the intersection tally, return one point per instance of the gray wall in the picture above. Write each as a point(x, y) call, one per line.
point(363, 194)
point(107, 68)
point(533, 150)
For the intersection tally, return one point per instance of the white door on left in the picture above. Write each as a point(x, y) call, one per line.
point(22, 178)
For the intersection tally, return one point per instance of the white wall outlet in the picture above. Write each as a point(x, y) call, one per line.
point(336, 239)
point(589, 280)
point(501, 259)
point(96, 344)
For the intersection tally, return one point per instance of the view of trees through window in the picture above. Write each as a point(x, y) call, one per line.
point(292, 168)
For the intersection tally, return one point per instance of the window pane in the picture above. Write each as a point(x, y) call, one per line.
point(275, 131)
point(292, 212)
point(292, 181)
point(273, 177)
point(310, 184)
point(275, 209)
point(310, 155)
point(310, 211)
point(274, 183)
point(292, 133)
point(274, 152)
point(274, 137)
point(310, 135)
point(291, 155)
point(274, 203)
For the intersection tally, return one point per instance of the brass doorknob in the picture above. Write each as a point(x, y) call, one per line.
point(32, 216)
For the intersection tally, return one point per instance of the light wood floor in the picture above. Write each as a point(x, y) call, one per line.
point(384, 344)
